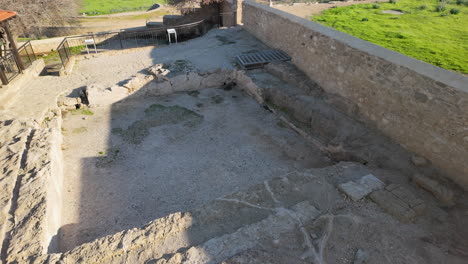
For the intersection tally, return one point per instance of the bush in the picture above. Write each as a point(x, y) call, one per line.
point(454, 11)
point(392, 1)
point(365, 19)
point(440, 7)
point(462, 2)
point(375, 6)
point(422, 7)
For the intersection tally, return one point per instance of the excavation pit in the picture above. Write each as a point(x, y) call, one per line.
point(144, 158)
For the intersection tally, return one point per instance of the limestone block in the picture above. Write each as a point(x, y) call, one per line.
point(179, 83)
point(409, 197)
point(193, 81)
point(98, 95)
point(442, 193)
point(158, 72)
point(357, 190)
point(214, 79)
point(392, 205)
point(159, 88)
point(137, 82)
point(68, 101)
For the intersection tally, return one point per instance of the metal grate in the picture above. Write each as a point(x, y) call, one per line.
point(258, 59)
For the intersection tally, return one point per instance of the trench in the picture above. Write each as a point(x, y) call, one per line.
point(143, 158)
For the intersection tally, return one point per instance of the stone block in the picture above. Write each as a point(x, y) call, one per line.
point(68, 101)
point(357, 190)
point(137, 82)
point(409, 197)
point(179, 83)
point(442, 193)
point(393, 205)
point(98, 95)
point(159, 88)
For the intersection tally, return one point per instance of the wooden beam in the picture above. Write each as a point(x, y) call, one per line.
point(14, 48)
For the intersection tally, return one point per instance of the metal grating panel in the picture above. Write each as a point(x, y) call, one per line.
point(258, 59)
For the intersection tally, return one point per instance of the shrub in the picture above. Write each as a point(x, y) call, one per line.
point(440, 7)
point(454, 11)
point(462, 2)
point(422, 7)
point(375, 6)
point(365, 19)
point(392, 1)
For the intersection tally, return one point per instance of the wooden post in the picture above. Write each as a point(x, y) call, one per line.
point(3, 77)
point(13, 47)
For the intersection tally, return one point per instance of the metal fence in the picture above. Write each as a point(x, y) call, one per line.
point(118, 40)
point(27, 54)
point(9, 66)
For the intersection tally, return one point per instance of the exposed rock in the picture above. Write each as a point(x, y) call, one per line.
point(137, 82)
point(392, 205)
point(442, 193)
point(68, 101)
point(361, 257)
point(365, 185)
point(419, 161)
point(158, 72)
point(159, 88)
point(399, 202)
point(409, 197)
point(38, 195)
point(217, 249)
point(99, 95)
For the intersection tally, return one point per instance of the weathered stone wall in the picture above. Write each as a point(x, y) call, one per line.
point(31, 156)
point(420, 106)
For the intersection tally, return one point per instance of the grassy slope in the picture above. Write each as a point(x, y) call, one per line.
point(100, 7)
point(439, 38)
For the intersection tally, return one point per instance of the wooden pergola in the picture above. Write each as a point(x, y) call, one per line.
point(6, 16)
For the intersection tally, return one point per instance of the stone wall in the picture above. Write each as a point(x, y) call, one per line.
point(422, 107)
point(31, 156)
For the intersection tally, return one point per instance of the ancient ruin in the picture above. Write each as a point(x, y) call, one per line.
point(348, 153)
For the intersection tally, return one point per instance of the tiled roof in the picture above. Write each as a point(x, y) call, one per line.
point(5, 15)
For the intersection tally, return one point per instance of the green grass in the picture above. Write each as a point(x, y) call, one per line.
point(422, 32)
point(102, 7)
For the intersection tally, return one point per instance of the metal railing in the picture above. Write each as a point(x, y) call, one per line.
point(9, 66)
point(118, 40)
point(27, 54)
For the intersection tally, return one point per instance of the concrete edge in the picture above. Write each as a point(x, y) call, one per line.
point(447, 77)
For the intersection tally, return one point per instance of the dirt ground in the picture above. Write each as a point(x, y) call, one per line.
point(143, 159)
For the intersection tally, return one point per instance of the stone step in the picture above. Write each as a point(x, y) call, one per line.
point(179, 231)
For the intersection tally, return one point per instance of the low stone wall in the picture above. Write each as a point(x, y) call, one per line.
point(422, 107)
